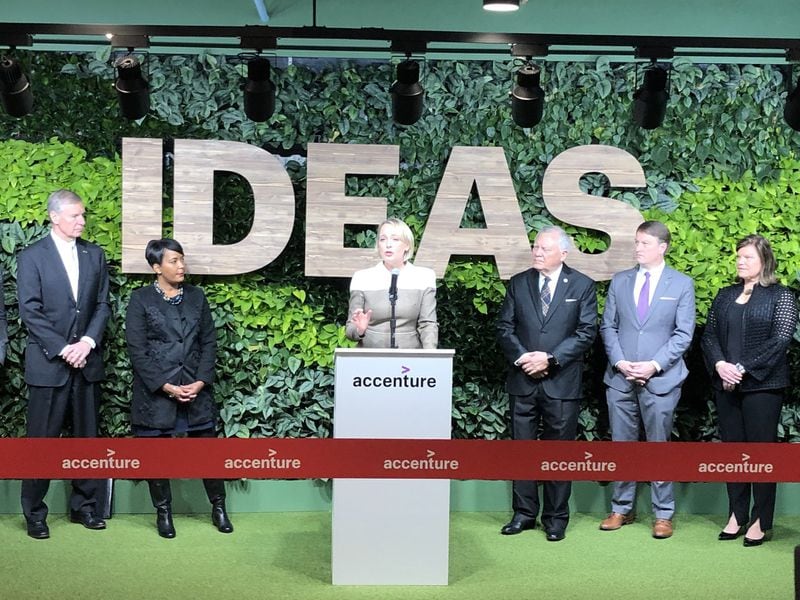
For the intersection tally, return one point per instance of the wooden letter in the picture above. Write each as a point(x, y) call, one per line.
point(504, 236)
point(566, 202)
point(141, 200)
point(195, 163)
point(273, 215)
point(328, 210)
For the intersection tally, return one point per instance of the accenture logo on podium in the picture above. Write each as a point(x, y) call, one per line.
point(579, 466)
point(745, 466)
point(429, 463)
point(109, 462)
point(402, 381)
point(261, 463)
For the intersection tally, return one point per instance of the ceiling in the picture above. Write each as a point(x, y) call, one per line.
point(592, 21)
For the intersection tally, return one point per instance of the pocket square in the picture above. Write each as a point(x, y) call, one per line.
point(667, 298)
point(570, 300)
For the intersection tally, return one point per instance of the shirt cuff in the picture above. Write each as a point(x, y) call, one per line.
point(89, 341)
point(516, 362)
point(657, 366)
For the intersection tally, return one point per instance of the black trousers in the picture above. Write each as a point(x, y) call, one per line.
point(538, 416)
point(750, 417)
point(161, 491)
point(49, 408)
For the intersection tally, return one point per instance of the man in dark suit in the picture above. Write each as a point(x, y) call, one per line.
point(62, 285)
point(647, 327)
point(547, 322)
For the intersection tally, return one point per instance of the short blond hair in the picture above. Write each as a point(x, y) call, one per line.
point(405, 235)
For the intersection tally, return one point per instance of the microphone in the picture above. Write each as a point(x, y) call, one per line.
point(393, 286)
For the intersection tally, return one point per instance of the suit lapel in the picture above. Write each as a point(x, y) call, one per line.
point(533, 290)
point(60, 271)
point(191, 312)
point(561, 292)
point(84, 269)
point(628, 302)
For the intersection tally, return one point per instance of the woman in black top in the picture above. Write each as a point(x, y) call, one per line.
point(172, 344)
point(749, 328)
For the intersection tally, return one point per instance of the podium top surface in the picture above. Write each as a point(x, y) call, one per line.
point(393, 352)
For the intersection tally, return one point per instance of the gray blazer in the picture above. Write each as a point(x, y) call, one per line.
point(664, 336)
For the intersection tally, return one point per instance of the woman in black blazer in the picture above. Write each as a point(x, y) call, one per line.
point(749, 328)
point(172, 345)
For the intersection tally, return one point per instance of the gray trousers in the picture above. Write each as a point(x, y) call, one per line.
point(629, 413)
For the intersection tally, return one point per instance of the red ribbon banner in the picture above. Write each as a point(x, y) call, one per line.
point(283, 458)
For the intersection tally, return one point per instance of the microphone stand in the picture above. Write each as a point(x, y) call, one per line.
point(393, 320)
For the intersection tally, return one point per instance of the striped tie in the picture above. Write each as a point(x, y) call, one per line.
point(545, 296)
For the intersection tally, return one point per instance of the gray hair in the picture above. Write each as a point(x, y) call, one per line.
point(57, 200)
point(564, 241)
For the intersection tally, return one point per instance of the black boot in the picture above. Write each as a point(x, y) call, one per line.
point(164, 522)
point(219, 517)
point(215, 488)
point(161, 495)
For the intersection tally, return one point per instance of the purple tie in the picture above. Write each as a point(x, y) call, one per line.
point(643, 304)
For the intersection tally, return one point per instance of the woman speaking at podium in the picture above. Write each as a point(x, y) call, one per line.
point(393, 304)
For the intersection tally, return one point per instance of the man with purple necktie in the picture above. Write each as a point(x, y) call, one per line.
point(647, 327)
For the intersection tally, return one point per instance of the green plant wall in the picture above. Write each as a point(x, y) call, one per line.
point(723, 165)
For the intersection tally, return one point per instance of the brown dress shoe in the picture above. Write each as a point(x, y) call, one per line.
point(662, 529)
point(615, 521)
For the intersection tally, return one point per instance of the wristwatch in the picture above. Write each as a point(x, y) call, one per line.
point(552, 361)
point(740, 368)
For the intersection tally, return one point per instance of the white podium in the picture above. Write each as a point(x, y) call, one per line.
point(391, 531)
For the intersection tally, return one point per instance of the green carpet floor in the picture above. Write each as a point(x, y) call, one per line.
point(287, 556)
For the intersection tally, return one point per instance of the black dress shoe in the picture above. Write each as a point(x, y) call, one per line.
point(220, 518)
point(555, 536)
point(750, 542)
point(87, 519)
point(38, 530)
point(724, 536)
point(518, 524)
point(164, 523)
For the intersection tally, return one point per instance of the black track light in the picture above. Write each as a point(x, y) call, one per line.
point(259, 91)
point(407, 94)
point(133, 91)
point(791, 112)
point(15, 90)
point(650, 100)
point(527, 98)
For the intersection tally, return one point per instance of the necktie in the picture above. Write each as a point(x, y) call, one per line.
point(545, 296)
point(643, 303)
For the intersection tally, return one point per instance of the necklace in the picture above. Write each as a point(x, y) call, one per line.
point(176, 299)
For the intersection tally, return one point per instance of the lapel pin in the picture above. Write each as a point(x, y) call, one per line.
point(565, 280)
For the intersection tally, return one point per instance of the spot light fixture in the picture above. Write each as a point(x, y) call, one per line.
point(133, 91)
point(15, 89)
point(650, 100)
point(527, 97)
point(501, 5)
point(259, 91)
point(407, 93)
